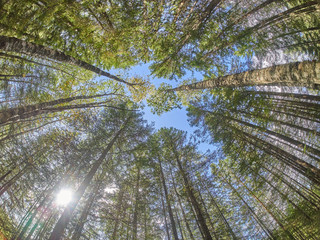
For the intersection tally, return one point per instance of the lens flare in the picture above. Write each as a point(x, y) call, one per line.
point(64, 197)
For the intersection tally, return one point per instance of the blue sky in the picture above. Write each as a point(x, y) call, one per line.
point(176, 118)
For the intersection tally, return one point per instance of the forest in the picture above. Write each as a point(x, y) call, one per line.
point(79, 160)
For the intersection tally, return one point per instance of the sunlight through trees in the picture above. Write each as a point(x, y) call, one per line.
point(78, 159)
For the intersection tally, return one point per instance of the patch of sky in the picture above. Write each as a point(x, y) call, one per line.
point(176, 118)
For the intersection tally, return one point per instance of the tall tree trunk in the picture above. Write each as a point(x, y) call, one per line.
point(294, 115)
point(118, 209)
point(305, 193)
point(290, 160)
point(85, 212)
point(47, 195)
point(37, 223)
point(28, 111)
point(29, 214)
point(46, 226)
point(284, 228)
point(222, 217)
point(136, 207)
point(179, 224)
point(254, 10)
point(12, 44)
point(280, 122)
point(181, 208)
point(58, 230)
point(165, 216)
point(306, 74)
point(294, 142)
point(285, 95)
point(145, 223)
point(206, 212)
point(194, 202)
point(9, 136)
point(6, 55)
point(283, 195)
point(255, 216)
point(304, 8)
point(172, 221)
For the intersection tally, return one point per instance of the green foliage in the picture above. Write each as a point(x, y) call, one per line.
point(264, 175)
point(161, 100)
point(6, 225)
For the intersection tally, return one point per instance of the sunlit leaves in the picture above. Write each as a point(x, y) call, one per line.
point(162, 100)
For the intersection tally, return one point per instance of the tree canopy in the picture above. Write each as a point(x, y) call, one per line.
point(79, 161)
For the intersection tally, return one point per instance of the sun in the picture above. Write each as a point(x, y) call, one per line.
point(64, 197)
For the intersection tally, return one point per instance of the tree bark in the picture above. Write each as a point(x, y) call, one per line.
point(283, 195)
point(165, 216)
point(285, 95)
point(206, 212)
point(5, 175)
point(273, 119)
point(290, 160)
point(296, 186)
point(179, 224)
point(294, 142)
point(304, 8)
point(305, 74)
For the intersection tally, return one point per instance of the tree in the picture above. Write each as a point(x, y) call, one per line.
point(11, 44)
point(57, 232)
point(292, 74)
point(63, 126)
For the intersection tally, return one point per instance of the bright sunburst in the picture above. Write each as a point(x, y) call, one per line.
point(64, 197)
